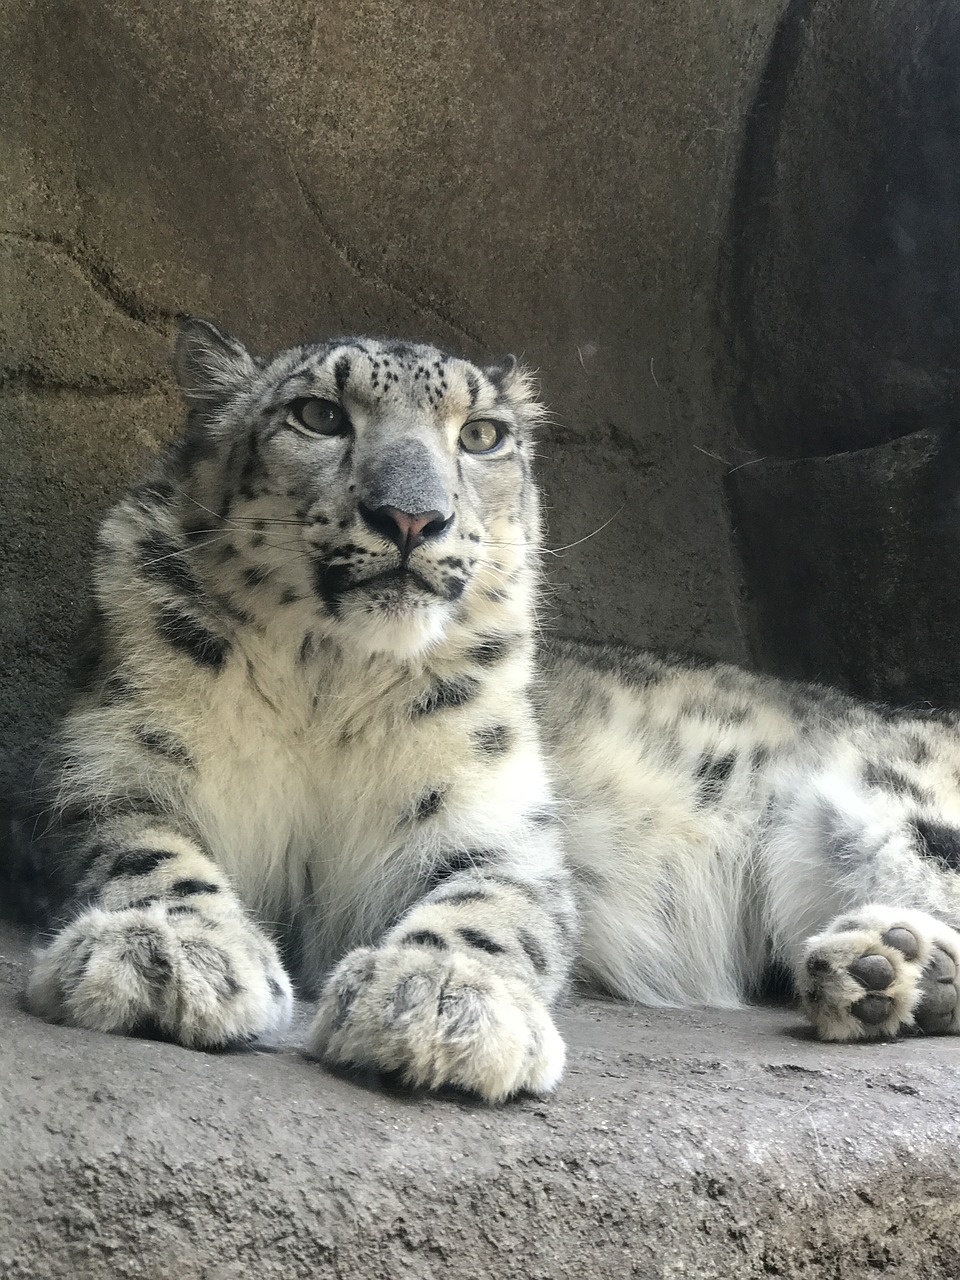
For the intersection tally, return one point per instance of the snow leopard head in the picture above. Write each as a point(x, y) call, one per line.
point(387, 483)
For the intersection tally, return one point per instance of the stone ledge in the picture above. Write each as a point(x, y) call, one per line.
point(680, 1143)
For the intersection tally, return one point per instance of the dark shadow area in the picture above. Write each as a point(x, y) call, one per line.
point(393, 1085)
point(843, 307)
point(844, 248)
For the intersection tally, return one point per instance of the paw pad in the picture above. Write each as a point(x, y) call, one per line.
point(938, 1001)
point(902, 940)
point(872, 1009)
point(873, 972)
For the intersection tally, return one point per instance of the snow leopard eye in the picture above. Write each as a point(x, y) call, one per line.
point(318, 417)
point(481, 437)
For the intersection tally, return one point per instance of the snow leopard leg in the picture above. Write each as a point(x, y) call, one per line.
point(866, 882)
point(458, 992)
point(159, 944)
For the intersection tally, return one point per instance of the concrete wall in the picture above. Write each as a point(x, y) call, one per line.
point(548, 179)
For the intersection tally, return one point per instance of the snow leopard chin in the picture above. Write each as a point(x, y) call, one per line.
point(404, 628)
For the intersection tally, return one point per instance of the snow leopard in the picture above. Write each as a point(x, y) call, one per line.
point(320, 742)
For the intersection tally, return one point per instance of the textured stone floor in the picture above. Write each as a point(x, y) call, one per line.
point(680, 1144)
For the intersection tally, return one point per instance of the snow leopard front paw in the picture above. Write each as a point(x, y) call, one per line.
point(878, 971)
point(202, 981)
point(437, 1020)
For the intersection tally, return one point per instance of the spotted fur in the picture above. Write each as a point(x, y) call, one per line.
point(315, 735)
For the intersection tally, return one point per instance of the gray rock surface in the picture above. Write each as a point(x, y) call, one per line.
point(700, 1144)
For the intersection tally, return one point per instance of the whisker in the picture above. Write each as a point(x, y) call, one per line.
point(555, 551)
point(184, 550)
point(237, 521)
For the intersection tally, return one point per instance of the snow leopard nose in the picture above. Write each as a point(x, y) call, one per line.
point(407, 530)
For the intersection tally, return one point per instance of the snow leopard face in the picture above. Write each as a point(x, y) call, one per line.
point(386, 483)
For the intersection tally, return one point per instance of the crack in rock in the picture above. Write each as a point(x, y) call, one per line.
point(101, 279)
point(343, 252)
point(27, 379)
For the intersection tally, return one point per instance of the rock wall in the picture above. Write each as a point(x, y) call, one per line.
point(846, 229)
point(843, 309)
point(553, 180)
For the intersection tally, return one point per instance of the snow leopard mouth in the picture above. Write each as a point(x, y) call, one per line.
point(395, 586)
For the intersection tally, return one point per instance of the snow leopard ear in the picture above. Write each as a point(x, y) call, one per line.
point(503, 374)
point(209, 364)
point(519, 388)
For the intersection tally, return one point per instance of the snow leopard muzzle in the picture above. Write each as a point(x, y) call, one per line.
point(403, 496)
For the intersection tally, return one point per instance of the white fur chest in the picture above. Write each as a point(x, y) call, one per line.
point(324, 784)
